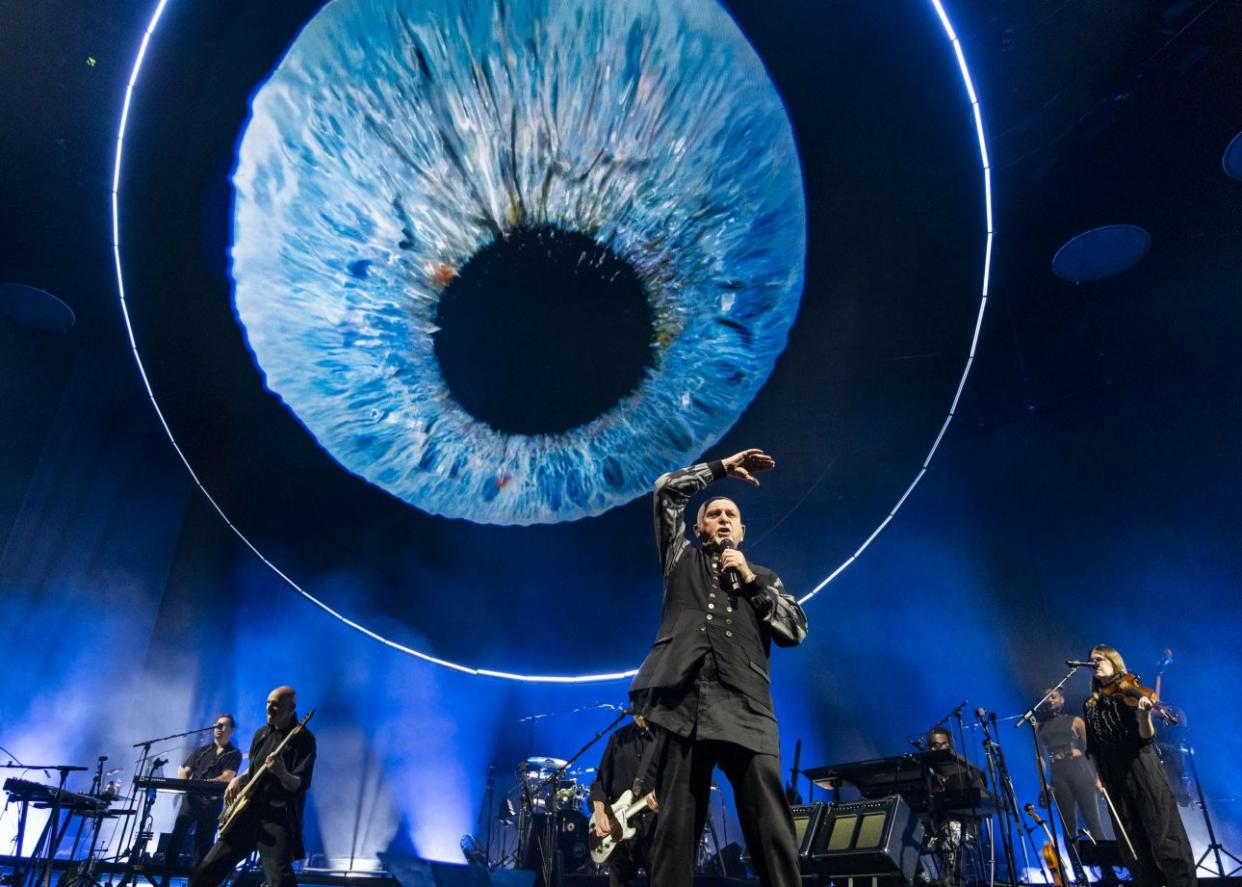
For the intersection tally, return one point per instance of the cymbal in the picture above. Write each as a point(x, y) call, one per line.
point(544, 763)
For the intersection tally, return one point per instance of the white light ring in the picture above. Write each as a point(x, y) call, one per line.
point(977, 114)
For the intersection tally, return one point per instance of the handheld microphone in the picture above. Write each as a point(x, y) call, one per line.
point(730, 581)
point(1078, 663)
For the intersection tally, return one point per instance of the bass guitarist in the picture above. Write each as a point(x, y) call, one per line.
point(628, 756)
point(272, 821)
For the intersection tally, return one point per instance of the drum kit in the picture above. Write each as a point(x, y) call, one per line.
point(550, 801)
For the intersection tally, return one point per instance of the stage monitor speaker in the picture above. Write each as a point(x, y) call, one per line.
point(807, 818)
point(880, 838)
point(731, 861)
point(1101, 853)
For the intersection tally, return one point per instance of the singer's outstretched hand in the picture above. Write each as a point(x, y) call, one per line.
point(746, 464)
point(732, 559)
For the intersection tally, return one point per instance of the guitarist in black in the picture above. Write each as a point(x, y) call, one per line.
point(705, 683)
point(629, 750)
point(272, 823)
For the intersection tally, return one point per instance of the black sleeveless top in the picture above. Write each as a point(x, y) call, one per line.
point(1057, 735)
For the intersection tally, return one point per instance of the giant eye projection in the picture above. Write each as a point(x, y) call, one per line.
point(508, 262)
point(450, 212)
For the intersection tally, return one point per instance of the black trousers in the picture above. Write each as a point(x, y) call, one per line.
point(1073, 785)
point(684, 792)
point(1146, 807)
point(203, 821)
point(266, 829)
point(624, 867)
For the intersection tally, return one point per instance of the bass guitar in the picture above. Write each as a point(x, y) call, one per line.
point(233, 812)
point(624, 809)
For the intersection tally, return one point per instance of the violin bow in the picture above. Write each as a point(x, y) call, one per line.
point(1117, 819)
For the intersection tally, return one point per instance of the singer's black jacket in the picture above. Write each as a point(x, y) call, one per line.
point(699, 618)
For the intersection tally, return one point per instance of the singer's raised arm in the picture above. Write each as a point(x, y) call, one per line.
point(672, 492)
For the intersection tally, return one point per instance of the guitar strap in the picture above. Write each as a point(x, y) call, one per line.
point(646, 779)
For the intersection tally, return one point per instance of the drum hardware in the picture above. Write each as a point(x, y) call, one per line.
point(552, 839)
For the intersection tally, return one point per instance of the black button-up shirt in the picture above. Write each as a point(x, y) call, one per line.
point(206, 763)
point(299, 759)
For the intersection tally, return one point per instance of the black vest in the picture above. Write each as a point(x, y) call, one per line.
point(699, 616)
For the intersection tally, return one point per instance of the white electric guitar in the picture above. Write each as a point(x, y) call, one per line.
point(622, 810)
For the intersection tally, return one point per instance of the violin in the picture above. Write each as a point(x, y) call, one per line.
point(1052, 859)
point(1129, 689)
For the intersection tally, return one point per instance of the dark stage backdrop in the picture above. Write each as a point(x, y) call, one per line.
point(1050, 520)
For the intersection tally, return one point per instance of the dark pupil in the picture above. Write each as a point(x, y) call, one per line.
point(542, 331)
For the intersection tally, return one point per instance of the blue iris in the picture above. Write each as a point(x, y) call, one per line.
point(397, 138)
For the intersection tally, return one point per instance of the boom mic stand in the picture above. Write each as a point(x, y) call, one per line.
point(968, 752)
point(141, 764)
point(1004, 790)
point(142, 833)
point(550, 856)
point(84, 875)
point(1055, 822)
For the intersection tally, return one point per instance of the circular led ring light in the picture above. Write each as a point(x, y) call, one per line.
point(485, 672)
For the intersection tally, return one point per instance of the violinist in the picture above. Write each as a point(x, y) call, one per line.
point(1118, 718)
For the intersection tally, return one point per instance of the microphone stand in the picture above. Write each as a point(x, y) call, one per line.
point(1055, 820)
point(139, 766)
point(1004, 790)
point(969, 751)
point(489, 802)
point(550, 857)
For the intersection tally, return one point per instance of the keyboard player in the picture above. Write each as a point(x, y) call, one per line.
point(953, 830)
point(218, 761)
